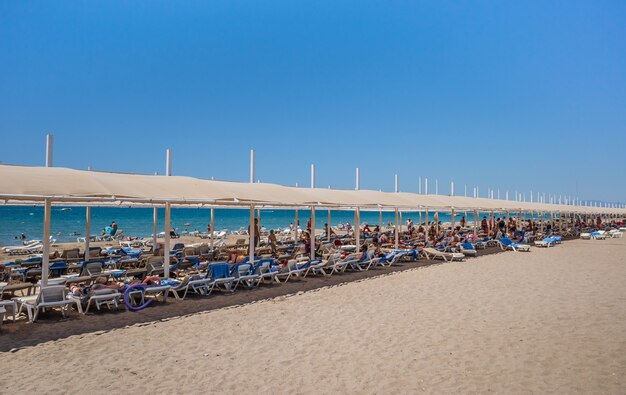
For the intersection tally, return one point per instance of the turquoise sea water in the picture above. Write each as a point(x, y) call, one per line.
point(67, 225)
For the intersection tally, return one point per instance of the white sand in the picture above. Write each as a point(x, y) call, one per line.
point(552, 320)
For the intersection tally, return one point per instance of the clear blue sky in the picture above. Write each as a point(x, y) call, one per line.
point(503, 94)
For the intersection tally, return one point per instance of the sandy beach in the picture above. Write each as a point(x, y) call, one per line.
point(552, 320)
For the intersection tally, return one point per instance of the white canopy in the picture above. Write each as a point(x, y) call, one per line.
point(62, 185)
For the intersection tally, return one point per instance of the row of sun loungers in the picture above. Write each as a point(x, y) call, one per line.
point(195, 274)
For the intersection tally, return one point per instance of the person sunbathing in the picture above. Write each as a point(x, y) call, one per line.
point(5, 274)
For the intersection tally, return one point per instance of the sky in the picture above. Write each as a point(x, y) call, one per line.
point(509, 95)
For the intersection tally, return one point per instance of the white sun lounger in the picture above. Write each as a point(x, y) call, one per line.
point(432, 253)
point(48, 297)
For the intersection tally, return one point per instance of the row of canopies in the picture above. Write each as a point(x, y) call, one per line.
point(29, 184)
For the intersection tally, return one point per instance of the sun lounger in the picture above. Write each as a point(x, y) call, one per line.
point(104, 296)
point(615, 233)
point(598, 235)
point(390, 259)
point(194, 283)
point(288, 271)
point(264, 268)
point(468, 249)
point(546, 242)
point(23, 250)
point(244, 273)
point(48, 297)
point(507, 244)
point(219, 273)
point(322, 266)
point(432, 253)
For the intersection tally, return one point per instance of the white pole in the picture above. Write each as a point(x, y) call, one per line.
point(252, 165)
point(155, 220)
point(312, 232)
point(295, 230)
point(436, 186)
point(419, 188)
point(380, 218)
point(397, 186)
point(87, 227)
point(465, 191)
point(397, 235)
point(329, 227)
point(45, 260)
point(166, 243)
point(312, 175)
point(451, 188)
point(251, 234)
point(212, 226)
point(426, 186)
point(49, 149)
point(358, 179)
point(357, 230)
point(87, 231)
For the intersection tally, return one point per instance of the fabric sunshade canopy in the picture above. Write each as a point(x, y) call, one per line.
point(63, 185)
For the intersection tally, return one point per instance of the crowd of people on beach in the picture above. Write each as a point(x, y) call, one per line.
point(144, 267)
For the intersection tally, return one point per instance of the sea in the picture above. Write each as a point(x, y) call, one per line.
point(68, 223)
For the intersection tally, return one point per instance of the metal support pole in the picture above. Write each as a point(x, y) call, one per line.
point(252, 165)
point(168, 227)
point(45, 260)
point(252, 235)
point(49, 149)
point(396, 230)
point(329, 227)
point(312, 232)
point(212, 235)
point(166, 243)
point(357, 230)
point(87, 231)
point(155, 220)
point(295, 229)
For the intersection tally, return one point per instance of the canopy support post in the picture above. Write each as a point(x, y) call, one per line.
point(166, 244)
point(45, 261)
point(87, 232)
point(357, 230)
point(212, 235)
point(397, 235)
point(328, 228)
point(155, 221)
point(252, 236)
point(312, 232)
point(295, 229)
